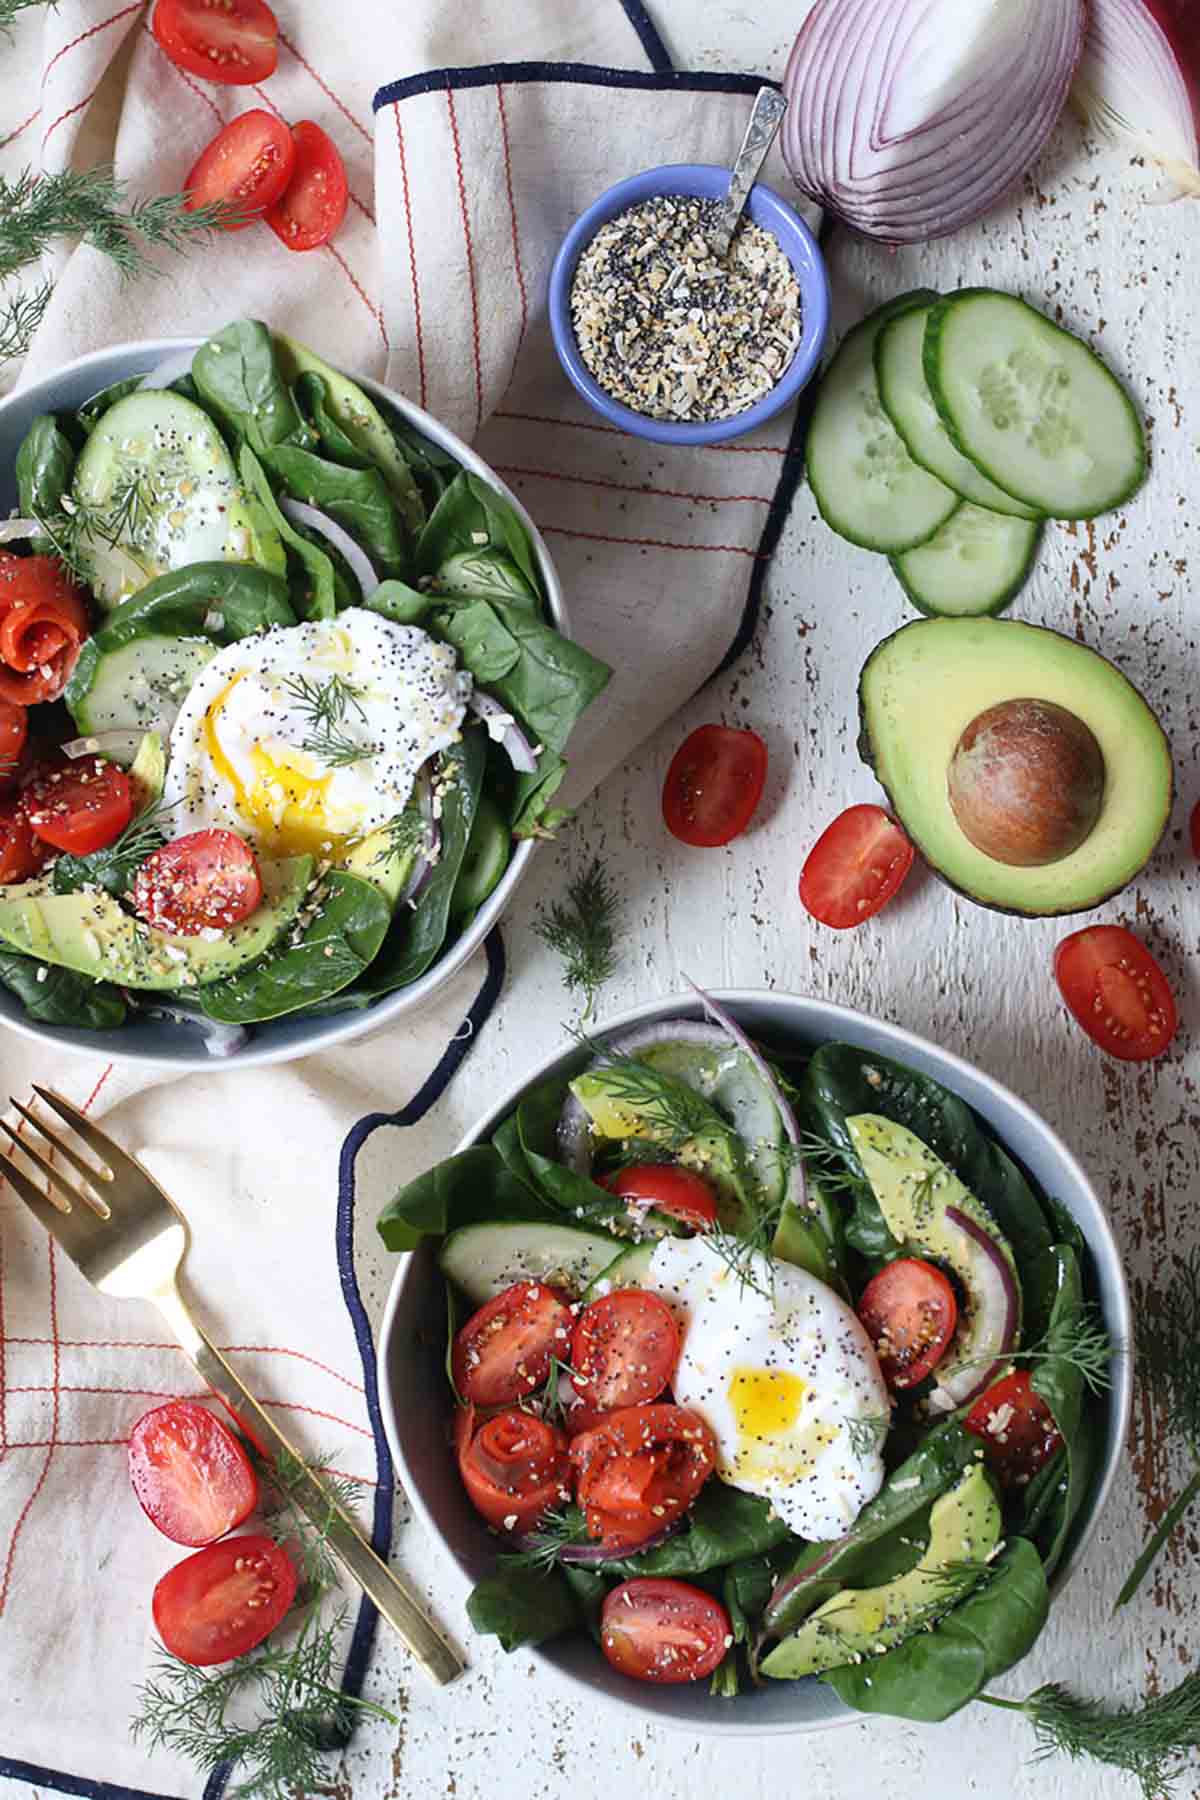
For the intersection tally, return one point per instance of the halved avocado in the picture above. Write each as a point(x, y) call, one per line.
point(923, 686)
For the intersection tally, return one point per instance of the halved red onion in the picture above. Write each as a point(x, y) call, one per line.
point(169, 369)
point(1140, 80)
point(13, 529)
point(503, 729)
point(797, 1186)
point(301, 513)
point(996, 1317)
point(910, 118)
point(791, 1584)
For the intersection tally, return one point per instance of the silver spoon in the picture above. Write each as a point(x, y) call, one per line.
point(765, 120)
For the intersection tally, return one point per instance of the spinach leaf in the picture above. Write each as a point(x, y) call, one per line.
point(531, 813)
point(484, 574)
point(841, 1081)
point(319, 597)
point(238, 380)
point(589, 1588)
point(471, 518)
point(1062, 1387)
point(418, 933)
point(523, 1606)
point(822, 1569)
point(89, 415)
point(334, 947)
point(746, 1588)
point(402, 604)
point(60, 997)
point(485, 645)
point(45, 462)
point(537, 1133)
point(553, 680)
point(467, 1189)
point(432, 468)
point(724, 1526)
point(220, 600)
point(357, 498)
point(312, 396)
point(935, 1673)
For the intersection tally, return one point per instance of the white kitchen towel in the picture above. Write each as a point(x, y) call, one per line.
point(465, 170)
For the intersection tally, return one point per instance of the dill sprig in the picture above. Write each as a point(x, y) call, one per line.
point(114, 867)
point(9, 9)
point(20, 316)
point(554, 1533)
point(1169, 1357)
point(582, 929)
point(300, 1711)
point(37, 210)
point(124, 518)
point(1149, 1742)
point(330, 707)
point(865, 1435)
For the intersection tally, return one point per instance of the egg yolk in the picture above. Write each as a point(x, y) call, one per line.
point(765, 1402)
point(284, 806)
point(766, 1407)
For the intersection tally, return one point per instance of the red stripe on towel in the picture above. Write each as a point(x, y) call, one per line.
point(466, 225)
point(412, 249)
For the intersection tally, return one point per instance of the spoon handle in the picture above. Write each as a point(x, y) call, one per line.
point(765, 120)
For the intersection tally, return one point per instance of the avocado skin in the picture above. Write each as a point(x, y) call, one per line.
point(866, 753)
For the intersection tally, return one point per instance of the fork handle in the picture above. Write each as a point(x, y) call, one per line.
point(345, 1540)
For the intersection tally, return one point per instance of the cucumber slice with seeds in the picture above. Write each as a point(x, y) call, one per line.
point(977, 563)
point(866, 484)
point(1032, 406)
point(484, 1259)
point(904, 391)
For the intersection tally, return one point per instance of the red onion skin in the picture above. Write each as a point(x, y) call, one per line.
point(948, 1399)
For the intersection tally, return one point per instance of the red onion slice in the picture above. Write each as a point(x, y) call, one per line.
point(503, 729)
point(911, 118)
point(797, 1187)
point(12, 529)
point(595, 1556)
point(996, 1317)
point(1140, 80)
point(301, 513)
point(169, 370)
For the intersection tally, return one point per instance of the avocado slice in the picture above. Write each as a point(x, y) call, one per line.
point(377, 860)
point(148, 770)
point(710, 1154)
point(93, 934)
point(929, 1210)
point(964, 1531)
point(923, 686)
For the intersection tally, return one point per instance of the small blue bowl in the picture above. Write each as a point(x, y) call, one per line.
point(708, 181)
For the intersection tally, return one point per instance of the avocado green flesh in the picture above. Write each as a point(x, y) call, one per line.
point(923, 686)
point(148, 770)
point(964, 1531)
point(94, 935)
point(375, 860)
point(618, 1121)
point(914, 1188)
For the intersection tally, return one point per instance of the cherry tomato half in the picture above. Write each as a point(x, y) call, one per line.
point(245, 169)
point(233, 42)
point(81, 807)
point(624, 1349)
point(855, 867)
point(21, 854)
point(190, 1474)
point(314, 203)
point(663, 1631)
point(713, 785)
point(668, 1189)
point(1016, 1428)
point(205, 881)
point(222, 1601)
point(514, 1469)
point(640, 1469)
point(1117, 992)
point(910, 1313)
point(503, 1351)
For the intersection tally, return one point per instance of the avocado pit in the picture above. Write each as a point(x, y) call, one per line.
point(1026, 782)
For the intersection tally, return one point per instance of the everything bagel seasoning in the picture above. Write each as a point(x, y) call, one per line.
point(670, 331)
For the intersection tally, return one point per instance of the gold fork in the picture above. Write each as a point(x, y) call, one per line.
point(129, 1240)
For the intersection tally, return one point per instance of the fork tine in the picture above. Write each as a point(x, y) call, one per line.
point(75, 1230)
point(90, 1173)
point(131, 1189)
point(55, 1179)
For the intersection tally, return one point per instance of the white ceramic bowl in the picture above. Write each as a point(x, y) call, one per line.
point(158, 1041)
point(413, 1383)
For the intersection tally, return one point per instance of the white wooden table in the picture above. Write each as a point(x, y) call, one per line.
point(981, 984)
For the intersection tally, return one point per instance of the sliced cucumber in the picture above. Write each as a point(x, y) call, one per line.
point(904, 391)
point(626, 1270)
point(485, 1259)
point(977, 563)
point(866, 484)
point(1032, 406)
point(142, 684)
point(162, 487)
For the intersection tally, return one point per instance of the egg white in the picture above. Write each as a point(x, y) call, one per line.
point(238, 758)
point(780, 1370)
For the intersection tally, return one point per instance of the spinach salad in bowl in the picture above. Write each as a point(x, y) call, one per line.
point(279, 695)
point(764, 1362)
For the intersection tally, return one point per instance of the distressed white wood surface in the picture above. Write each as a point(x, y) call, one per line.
point(1080, 239)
